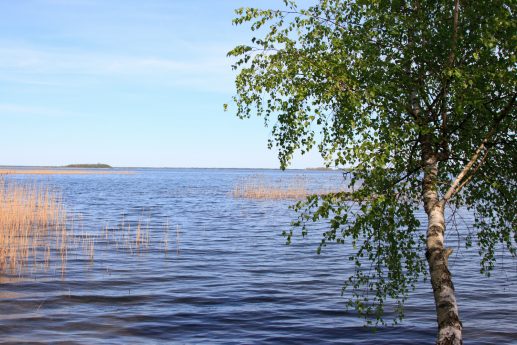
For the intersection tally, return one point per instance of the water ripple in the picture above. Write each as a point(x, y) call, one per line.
point(228, 280)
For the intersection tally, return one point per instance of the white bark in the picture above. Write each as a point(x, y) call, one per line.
point(449, 324)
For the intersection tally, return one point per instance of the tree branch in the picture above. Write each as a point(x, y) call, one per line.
point(458, 183)
point(468, 179)
point(319, 18)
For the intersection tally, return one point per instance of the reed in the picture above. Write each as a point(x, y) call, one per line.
point(33, 227)
point(36, 232)
point(259, 187)
point(178, 236)
point(88, 246)
point(130, 237)
point(166, 237)
point(62, 172)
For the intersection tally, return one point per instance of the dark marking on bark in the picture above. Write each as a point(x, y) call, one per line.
point(451, 320)
point(449, 341)
point(445, 304)
point(434, 230)
point(440, 258)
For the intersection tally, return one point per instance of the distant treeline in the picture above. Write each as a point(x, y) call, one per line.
point(98, 165)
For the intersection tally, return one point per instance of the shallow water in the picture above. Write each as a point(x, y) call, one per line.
point(230, 279)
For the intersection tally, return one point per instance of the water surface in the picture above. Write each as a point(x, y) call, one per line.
point(230, 280)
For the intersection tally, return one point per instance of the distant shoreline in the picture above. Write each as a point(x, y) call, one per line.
point(32, 167)
point(61, 171)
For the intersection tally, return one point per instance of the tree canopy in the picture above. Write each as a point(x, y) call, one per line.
point(416, 99)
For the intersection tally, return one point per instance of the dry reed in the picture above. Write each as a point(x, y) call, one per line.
point(259, 187)
point(32, 227)
point(62, 172)
point(166, 238)
point(178, 236)
point(35, 231)
point(127, 238)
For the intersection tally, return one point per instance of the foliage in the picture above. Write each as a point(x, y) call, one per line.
point(365, 82)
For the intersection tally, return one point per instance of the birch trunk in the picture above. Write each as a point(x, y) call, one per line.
point(449, 324)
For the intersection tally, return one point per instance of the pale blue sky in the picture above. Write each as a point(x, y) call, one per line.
point(125, 82)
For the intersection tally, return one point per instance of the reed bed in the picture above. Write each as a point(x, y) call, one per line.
point(62, 172)
point(260, 187)
point(166, 238)
point(38, 234)
point(131, 238)
point(33, 227)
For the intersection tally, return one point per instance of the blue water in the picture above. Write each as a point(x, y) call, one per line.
point(229, 280)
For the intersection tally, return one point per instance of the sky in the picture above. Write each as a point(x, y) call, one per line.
point(127, 83)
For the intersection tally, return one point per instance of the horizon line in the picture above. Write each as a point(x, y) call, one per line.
point(165, 167)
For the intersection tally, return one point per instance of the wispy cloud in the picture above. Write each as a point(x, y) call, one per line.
point(23, 110)
point(197, 72)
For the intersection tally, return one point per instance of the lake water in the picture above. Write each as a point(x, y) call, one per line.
point(229, 280)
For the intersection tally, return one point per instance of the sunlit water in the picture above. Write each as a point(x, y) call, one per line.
point(229, 280)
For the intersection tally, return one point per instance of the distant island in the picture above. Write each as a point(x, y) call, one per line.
point(89, 166)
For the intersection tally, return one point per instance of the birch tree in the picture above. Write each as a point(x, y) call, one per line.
point(416, 100)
